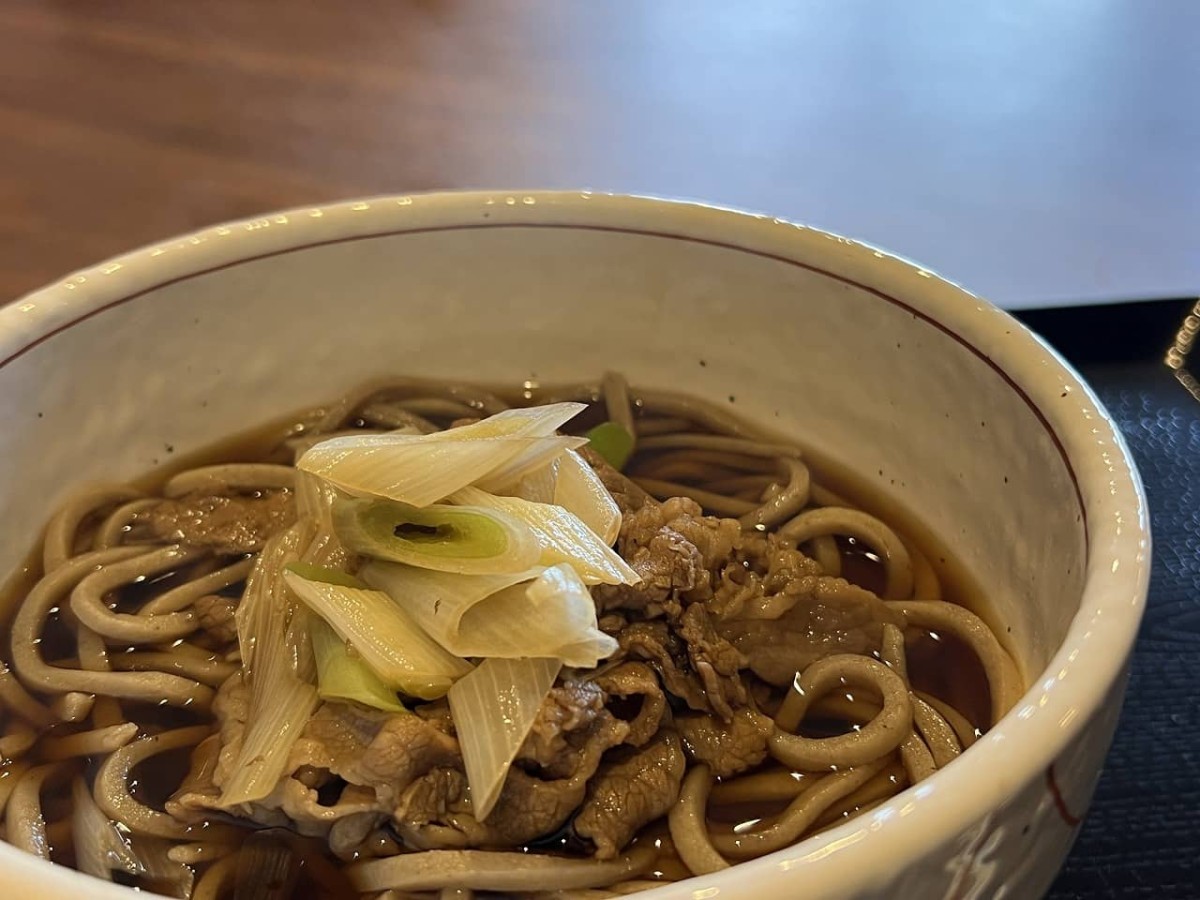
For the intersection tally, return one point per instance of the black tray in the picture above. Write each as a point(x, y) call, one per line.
point(1142, 835)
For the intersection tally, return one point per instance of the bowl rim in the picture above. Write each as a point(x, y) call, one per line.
point(1061, 699)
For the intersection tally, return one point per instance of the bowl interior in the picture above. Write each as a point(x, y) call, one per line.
point(941, 406)
point(853, 370)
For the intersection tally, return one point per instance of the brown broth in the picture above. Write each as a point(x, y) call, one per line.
point(940, 666)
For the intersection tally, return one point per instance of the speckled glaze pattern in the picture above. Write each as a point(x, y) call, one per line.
point(944, 404)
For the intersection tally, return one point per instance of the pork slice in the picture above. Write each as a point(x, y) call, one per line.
point(829, 616)
point(228, 523)
point(435, 812)
point(569, 718)
point(727, 748)
point(635, 683)
point(381, 751)
point(631, 793)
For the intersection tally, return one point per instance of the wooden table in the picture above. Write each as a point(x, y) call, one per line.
point(1038, 152)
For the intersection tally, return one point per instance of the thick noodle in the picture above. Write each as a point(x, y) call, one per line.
point(118, 647)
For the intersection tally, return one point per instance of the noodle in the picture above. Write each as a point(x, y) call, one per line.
point(230, 476)
point(62, 532)
point(800, 815)
point(97, 742)
point(688, 828)
point(25, 826)
point(113, 796)
point(879, 737)
point(832, 520)
point(87, 599)
point(489, 871)
point(119, 650)
point(1003, 679)
point(15, 698)
point(20, 737)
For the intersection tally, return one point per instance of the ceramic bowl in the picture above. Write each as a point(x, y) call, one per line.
point(942, 403)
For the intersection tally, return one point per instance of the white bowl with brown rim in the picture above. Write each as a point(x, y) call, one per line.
point(945, 405)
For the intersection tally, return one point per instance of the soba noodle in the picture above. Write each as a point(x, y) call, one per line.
point(117, 648)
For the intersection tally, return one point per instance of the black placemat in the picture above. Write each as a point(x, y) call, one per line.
point(1142, 836)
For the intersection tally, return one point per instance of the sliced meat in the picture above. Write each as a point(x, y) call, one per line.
point(728, 748)
point(694, 662)
point(764, 573)
point(655, 643)
point(295, 801)
point(714, 659)
point(669, 568)
point(350, 832)
point(677, 551)
point(304, 812)
point(530, 807)
point(231, 707)
point(230, 524)
point(435, 810)
point(631, 793)
point(364, 758)
point(215, 615)
point(637, 690)
point(828, 616)
point(714, 539)
point(382, 751)
point(571, 715)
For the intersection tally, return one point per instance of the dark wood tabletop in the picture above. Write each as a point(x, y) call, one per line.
point(1039, 153)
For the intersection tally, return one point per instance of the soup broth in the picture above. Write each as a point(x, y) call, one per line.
point(898, 603)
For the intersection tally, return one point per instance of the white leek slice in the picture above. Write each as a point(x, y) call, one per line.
point(277, 663)
point(531, 421)
point(263, 613)
point(447, 538)
point(342, 674)
point(562, 535)
point(536, 613)
point(579, 489)
point(504, 479)
point(438, 600)
point(553, 615)
point(384, 635)
point(314, 502)
point(524, 421)
point(418, 469)
point(280, 706)
point(493, 710)
point(540, 484)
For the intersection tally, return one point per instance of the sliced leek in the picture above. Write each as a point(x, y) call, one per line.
point(421, 469)
point(562, 535)
point(540, 484)
point(387, 638)
point(494, 709)
point(578, 489)
point(536, 613)
point(613, 442)
point(447, 538)
point(342, 674)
